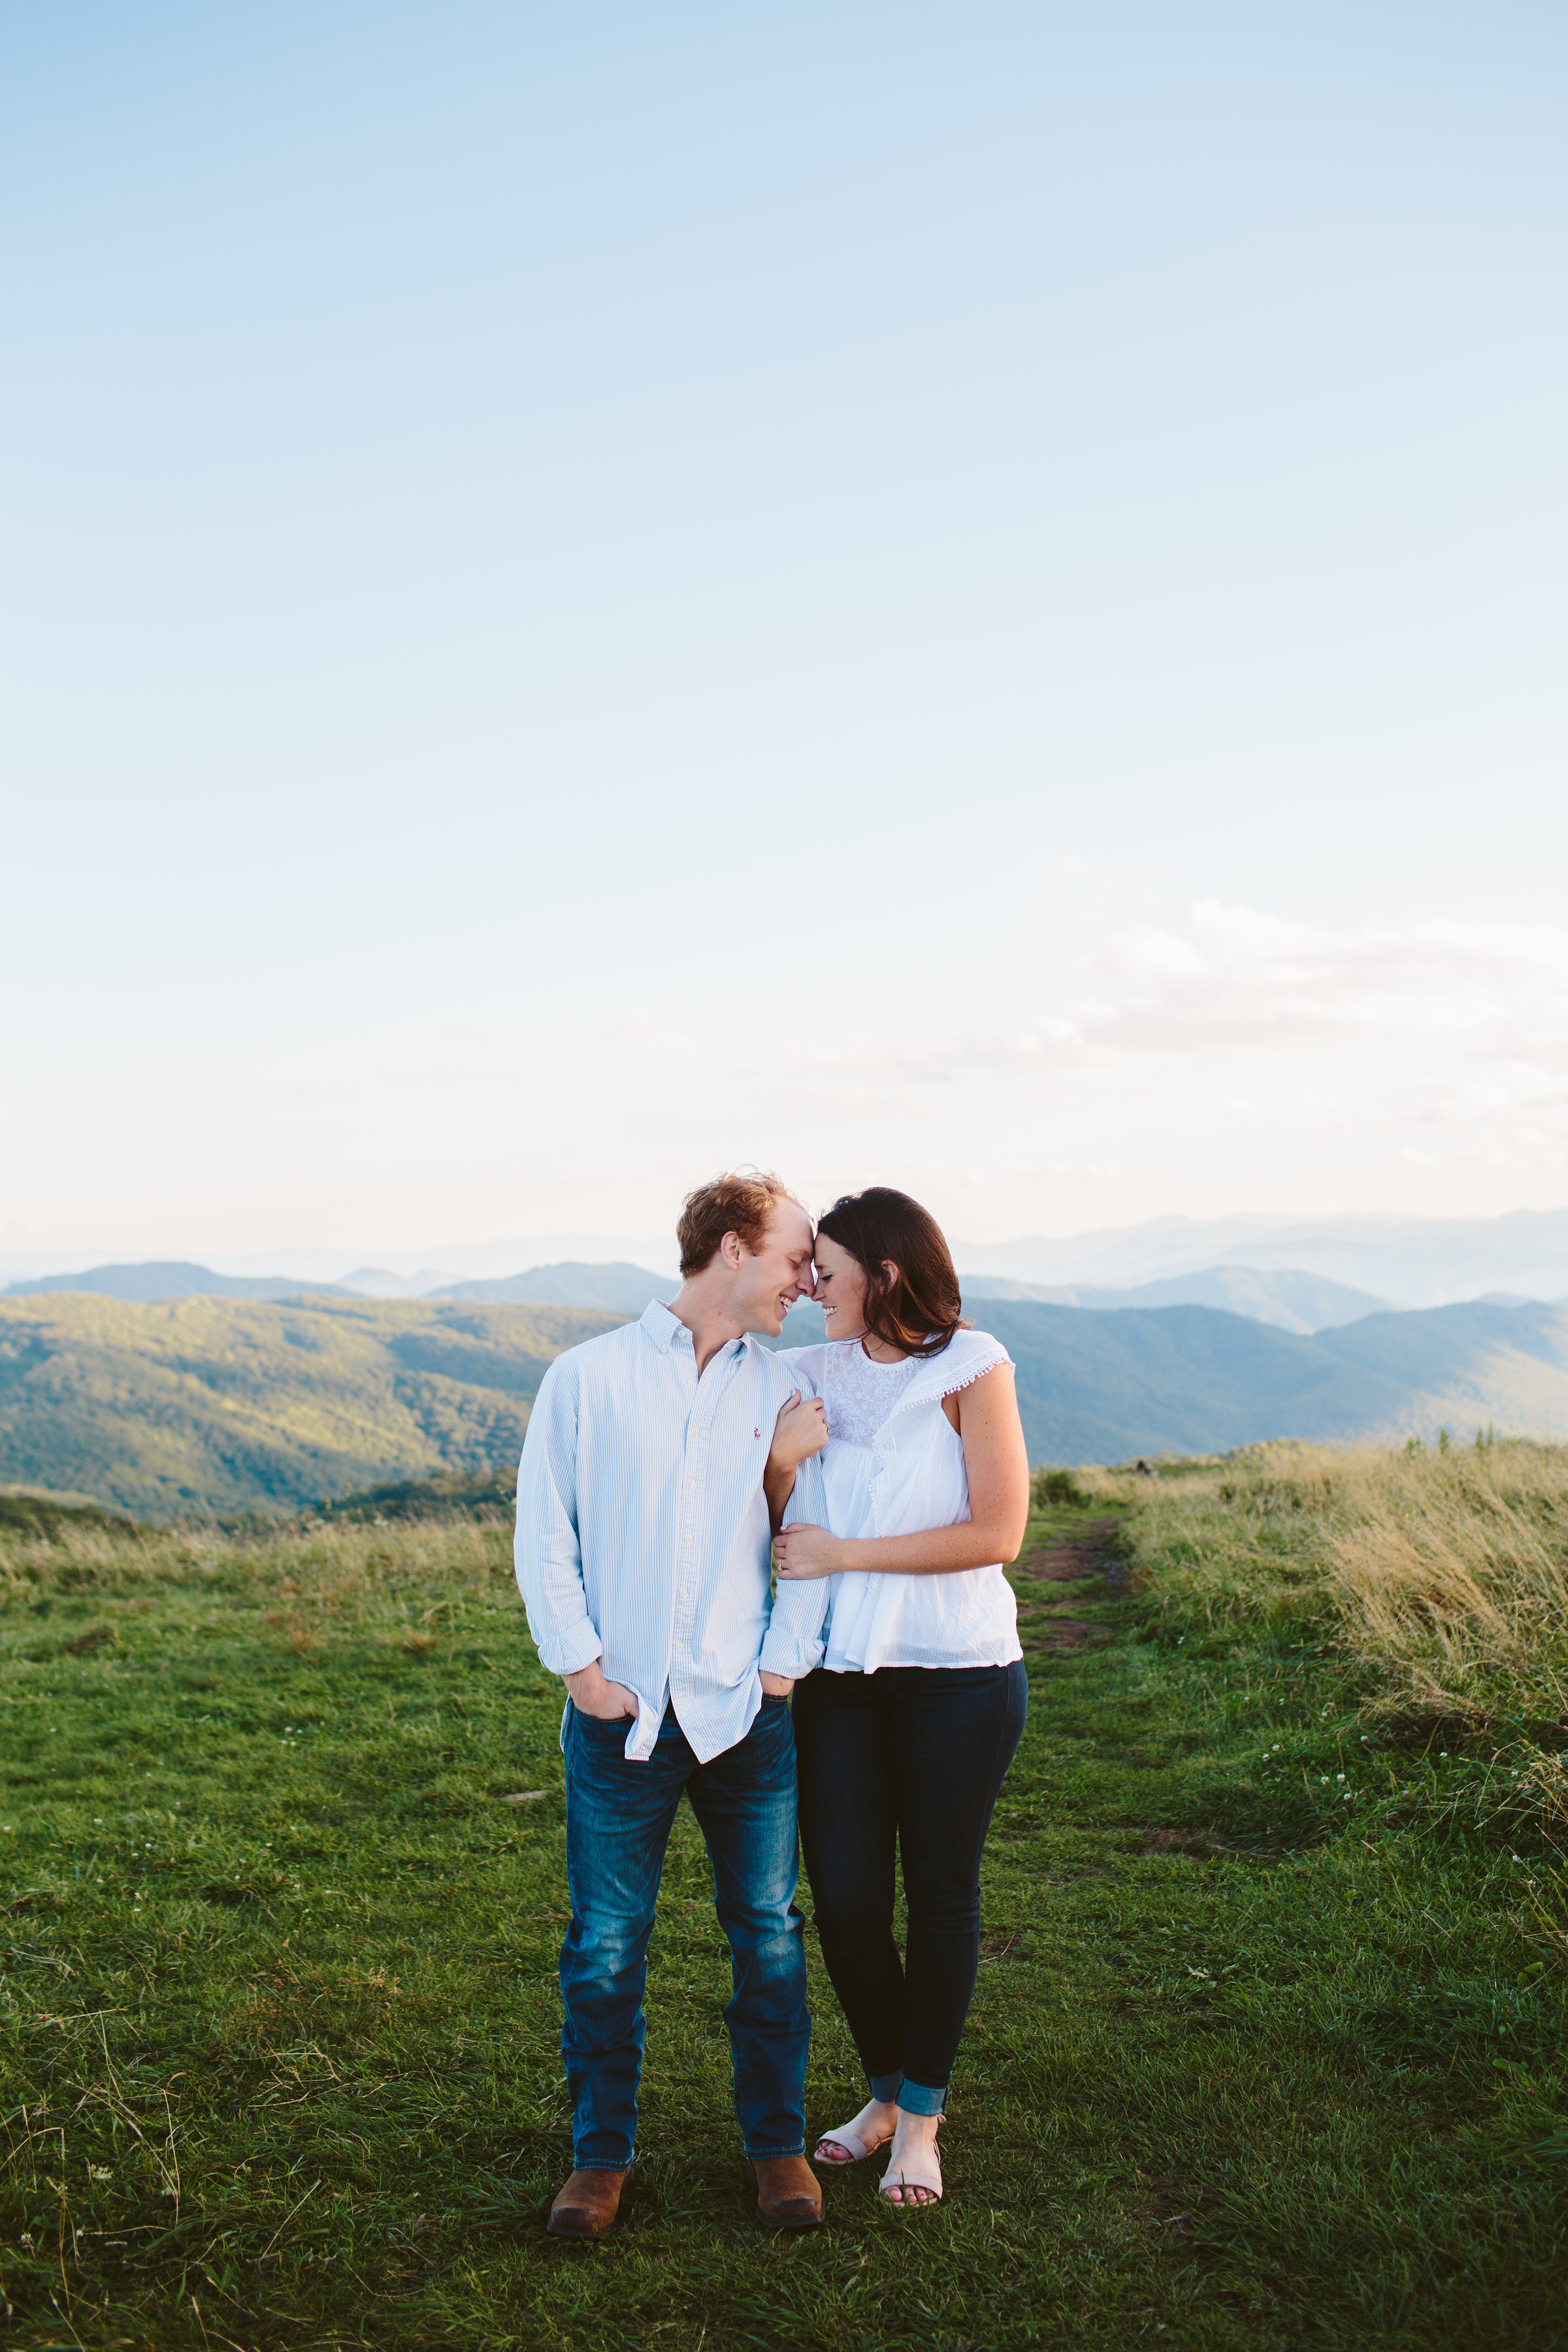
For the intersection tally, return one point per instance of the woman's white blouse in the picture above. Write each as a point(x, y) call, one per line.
point(893, 1465)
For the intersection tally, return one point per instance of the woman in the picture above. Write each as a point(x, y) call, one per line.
point(905, 1733)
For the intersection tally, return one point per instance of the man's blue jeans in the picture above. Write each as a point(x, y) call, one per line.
point(618, 1819)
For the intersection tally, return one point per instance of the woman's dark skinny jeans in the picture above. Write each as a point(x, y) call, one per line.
point(909, 1757)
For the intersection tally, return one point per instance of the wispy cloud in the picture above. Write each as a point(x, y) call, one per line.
point(1238, 978)
point(1233, 980)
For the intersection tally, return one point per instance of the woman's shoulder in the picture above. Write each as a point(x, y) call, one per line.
point(970, 1347)
point(968, 1356)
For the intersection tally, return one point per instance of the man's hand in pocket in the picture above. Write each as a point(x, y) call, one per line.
point(594, 1693)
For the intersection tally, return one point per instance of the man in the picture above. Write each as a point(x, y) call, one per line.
point(644, 1538)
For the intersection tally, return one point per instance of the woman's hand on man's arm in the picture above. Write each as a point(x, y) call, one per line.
point(802, 1552)
point(800, 1431)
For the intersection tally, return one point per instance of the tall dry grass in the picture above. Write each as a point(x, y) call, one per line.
point(1443, 1573)
point(412, 1581)
point(1452, 1570)
point(1438, 1576)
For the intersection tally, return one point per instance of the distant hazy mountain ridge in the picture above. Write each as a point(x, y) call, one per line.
point(1293, 1300)
point(170, 1279)
point(573, 1284)
point(1409, 1260)
point(1258, 1265)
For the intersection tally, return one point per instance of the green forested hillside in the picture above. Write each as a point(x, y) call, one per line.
point(1193, 1380)
point(229, 1404)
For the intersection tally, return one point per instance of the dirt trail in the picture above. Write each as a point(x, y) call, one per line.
point(1070, 1559)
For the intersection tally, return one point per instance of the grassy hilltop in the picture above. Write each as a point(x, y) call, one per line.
point(229, 1404)
point(1267, 2051)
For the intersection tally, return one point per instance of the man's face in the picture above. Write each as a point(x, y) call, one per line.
point(771, 1278)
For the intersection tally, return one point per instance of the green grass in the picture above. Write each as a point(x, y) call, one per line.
point(1249, 2065)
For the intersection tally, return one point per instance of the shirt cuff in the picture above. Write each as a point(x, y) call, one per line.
point(566, 1652)
point(789, 1651)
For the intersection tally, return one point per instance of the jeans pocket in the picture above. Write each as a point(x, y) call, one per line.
point(603, 1726)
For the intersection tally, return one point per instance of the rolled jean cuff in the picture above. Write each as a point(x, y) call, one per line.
point(770, 2155)
point(886, 2086)
point(921, 2099)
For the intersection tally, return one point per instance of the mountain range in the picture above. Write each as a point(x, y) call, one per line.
point(1195, 1380)
point(197, 1404)
point(1402, 1261)
point(1408, 1261)
point(170, 1278)
point(1294, 1300)
point(573, 1284)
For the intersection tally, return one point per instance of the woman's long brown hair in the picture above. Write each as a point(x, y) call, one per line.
point(920, 1311)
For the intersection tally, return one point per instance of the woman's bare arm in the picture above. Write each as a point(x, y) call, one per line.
point(998, 1468)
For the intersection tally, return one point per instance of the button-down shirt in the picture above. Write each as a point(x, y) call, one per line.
point(642, 1528)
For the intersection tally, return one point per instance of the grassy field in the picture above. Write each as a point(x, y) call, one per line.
point(1267, 2049)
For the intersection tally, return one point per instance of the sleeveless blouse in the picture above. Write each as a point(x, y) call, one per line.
point(893, 1465)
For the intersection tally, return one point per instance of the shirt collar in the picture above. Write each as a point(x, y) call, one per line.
point(662, 1328)
point(667, 1330)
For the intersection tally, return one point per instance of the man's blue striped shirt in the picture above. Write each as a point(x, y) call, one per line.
point(642, 1528)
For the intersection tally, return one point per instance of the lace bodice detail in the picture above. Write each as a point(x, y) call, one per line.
point(893, 1466)
point(859, 1393)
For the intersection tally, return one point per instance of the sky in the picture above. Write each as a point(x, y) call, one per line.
point(964, 598)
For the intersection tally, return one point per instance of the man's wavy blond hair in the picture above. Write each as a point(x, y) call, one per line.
point(739, 1204)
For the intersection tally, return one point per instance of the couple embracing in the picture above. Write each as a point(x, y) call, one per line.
point(667, 1465)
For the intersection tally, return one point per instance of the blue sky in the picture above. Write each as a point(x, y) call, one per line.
point(970, 597)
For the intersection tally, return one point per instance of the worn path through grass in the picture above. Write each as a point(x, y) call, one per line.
point(282, 1841)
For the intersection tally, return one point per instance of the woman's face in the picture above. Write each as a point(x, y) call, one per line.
point(839, 1289)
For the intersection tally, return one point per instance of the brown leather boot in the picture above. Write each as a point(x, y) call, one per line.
point(588, 2206)
point(789, 2194)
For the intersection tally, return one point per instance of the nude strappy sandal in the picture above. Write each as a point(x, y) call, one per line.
point(925, 2173)
point(856, 2145)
